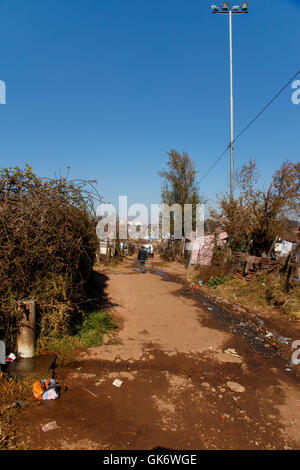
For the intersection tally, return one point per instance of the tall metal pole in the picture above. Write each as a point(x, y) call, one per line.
point(236, 10)
point(231, 111)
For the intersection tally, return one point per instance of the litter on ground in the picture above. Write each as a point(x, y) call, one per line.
point(232, 352)
point(49, 426)
point(284, 340)
point(45, 389)
point(91, 393)
point(117, 383)
point(10, 358)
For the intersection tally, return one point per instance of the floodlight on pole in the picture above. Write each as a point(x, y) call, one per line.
point(235, 10)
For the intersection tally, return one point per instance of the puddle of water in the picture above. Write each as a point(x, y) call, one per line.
point(159, 273)
point(43, 364)
point(252, 331)
point(152, 271)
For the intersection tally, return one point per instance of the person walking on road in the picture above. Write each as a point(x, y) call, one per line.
point(142, 258)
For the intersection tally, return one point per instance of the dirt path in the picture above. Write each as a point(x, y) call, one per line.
point(175, 394)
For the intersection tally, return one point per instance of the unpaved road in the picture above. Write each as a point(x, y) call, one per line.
point(169, 353)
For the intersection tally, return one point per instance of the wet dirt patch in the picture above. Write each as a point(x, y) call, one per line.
point(173, 402)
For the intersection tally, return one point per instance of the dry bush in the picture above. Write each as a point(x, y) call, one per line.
point(254, 218)
point(205, 273)
point(47, 248)
point(292, 305)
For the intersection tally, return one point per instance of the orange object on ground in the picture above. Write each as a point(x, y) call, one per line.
point(39, 387)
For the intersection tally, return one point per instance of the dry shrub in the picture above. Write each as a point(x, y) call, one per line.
point(205, 273)
point(292, 305)
point(256, 216)
point(275, 291)
point(264, 291)
point(12, 389)
point(47, 248)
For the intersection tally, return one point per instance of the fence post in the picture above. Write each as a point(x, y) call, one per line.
point(26, 334)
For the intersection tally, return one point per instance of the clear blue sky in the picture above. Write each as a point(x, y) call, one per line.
point(107, 87)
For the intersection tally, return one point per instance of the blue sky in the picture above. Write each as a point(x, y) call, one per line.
point(107, 87)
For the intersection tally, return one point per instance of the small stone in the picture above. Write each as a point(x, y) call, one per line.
point(235, 387)
point(206, 385)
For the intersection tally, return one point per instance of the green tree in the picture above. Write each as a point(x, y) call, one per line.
point(179, 182)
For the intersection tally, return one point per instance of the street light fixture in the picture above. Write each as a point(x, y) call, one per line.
point(235, 10)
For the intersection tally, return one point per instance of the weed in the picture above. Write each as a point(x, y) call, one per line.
point(214, 282)
point(94, 327)
point(88, 334)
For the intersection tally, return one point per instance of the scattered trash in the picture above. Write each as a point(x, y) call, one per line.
point(235, 387)
point(91, 393)
point(79, 368)
point(45, 389)
point(232, 352)
point(117, 383)
point(10, 358)
point(200, 283)
point(209, 308)
point(284, 340)
point(268, 335)
point(288, 369)
point(50, 394)
point(49, 426)
point(195, 287)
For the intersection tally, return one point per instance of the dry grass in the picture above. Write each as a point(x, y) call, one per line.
point(10, 391)
point(205, 273)
point(265, 291)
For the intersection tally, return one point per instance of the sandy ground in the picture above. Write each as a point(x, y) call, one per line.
point(180, 389)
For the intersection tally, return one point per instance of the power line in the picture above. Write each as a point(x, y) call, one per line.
point(267, 105)
point(217, 160)
point(252, 122)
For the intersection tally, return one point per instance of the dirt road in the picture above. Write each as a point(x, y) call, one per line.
point(180, 389)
